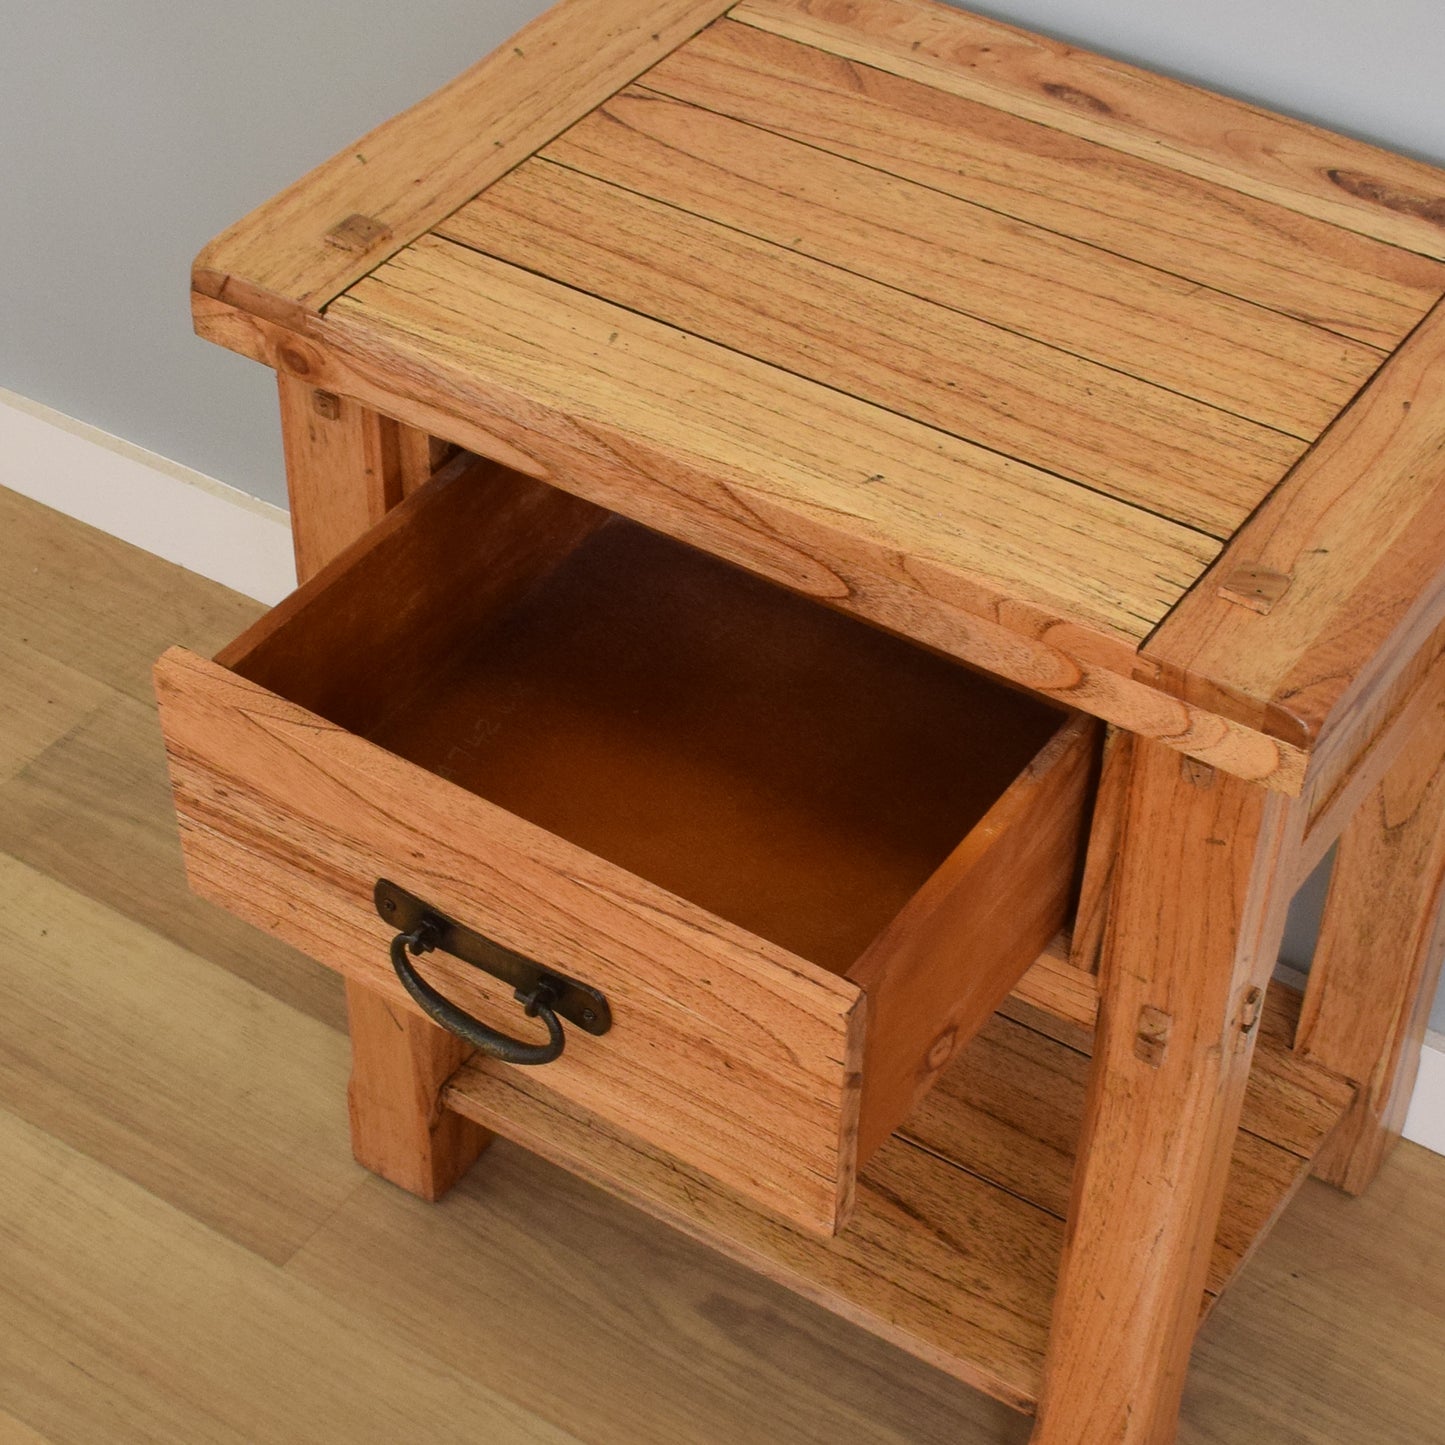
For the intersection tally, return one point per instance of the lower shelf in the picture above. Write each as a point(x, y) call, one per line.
point(954, 1249)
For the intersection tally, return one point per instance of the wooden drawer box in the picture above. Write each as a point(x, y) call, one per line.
point(805, 860)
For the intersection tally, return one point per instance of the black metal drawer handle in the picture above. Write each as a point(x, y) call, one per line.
point(542, 993)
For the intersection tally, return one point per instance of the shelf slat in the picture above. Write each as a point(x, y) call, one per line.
point(1010, 1109)
point(953, 1251)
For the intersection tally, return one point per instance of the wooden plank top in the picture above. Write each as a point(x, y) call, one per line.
point(305, 246)
point(1067, 369)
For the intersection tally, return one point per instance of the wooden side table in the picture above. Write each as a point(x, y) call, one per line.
point(1121, 393)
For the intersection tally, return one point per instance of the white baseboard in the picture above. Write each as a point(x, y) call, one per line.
point(1425, 1123)
point(170, 510)
point(210, 528)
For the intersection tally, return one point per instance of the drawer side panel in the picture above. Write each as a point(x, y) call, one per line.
point(936, 976)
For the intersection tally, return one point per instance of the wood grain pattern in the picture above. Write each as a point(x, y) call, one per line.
point(1011, 1107)
point(75, 973)
point(420, 165)
point(1361, 750)
point(1359, 529)
point(1291, 1096)
point(651, 785)
point(935, 1261)
point(1070, 663)
point(392, 1084)
point(1309, 1257)
point(1054, 992)
point(346, 467)
point(916, 237)
point(100, 607)
point(1272, 157)
point(289, 820)
point(1377, 964)
point(1086, 939)
point(92, 810)
point(1030, 172)
point(45, 698)
point(94, 813)
point(963, 942)
point(419, 458)
point(959, 1195)
point(16, 1432)
point(1137, 442)
point(1291, 1099)
point(773, 762)
point(110, 1353)
point(579, 370)
point(155, 1327)
point(666, 1340)
point(1195, 927)
point(382, 591)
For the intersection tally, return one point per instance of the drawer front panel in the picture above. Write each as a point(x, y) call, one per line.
point(729, 1053)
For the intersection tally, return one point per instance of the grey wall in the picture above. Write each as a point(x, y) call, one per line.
point(1370, 68)
point(133, 130)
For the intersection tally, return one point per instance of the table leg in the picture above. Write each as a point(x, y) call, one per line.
point(1378, 957)
point(399, 1063)
point(345, 467)
point(1202, 887)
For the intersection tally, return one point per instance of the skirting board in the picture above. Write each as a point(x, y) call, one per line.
point(221, 533)
point(145, 499)
point(1425, 1123)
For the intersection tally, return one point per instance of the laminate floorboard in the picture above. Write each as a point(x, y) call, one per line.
point(100, 606)
point(43, 700)
point(188, 1254)
point(94, 811)
point(13, 1432)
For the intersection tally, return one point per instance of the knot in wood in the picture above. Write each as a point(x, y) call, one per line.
point(941, 1050)
point(296, 360)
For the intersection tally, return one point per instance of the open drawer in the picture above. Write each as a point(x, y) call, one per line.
point(804, 860)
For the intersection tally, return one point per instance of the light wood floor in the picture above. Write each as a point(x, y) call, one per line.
point(188, 1254)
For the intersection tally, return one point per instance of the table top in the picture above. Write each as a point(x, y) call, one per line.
point(1125, 391)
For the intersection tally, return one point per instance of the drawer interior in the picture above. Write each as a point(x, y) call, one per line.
point(785, 766)
point(806, 859)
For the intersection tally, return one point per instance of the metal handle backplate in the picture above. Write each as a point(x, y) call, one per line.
point(543, 993)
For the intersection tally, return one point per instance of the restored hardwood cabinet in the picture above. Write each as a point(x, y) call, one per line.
point(853, 557)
